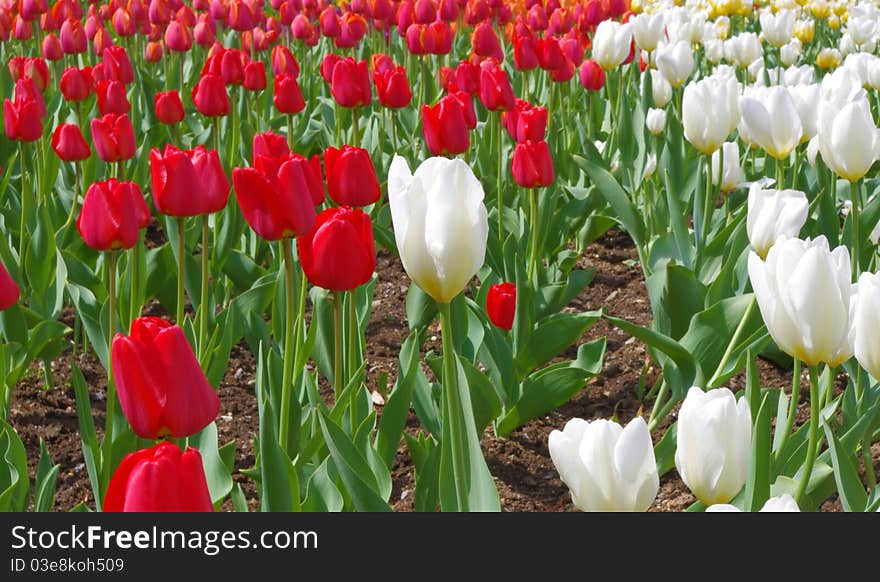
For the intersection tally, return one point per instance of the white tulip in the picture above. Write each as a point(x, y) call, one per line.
point(861, 29)
point(611, 44)
point(865, 317)
point(648, 30)
point(714, 50)
point(661, 90)
point(805, 98)
point(732, 173)
point(781, 504)
point(713, 444)
point(772, 213)
point(848, 138)
point(771, 120)
point(676, 62)
point(802, 75)
point(656, 120)
point(607, 467)
point(790, 52)
point(440, 223)
point(778, 28)
point(710, 111)
point(650, 165)
point(803, 290)
point(874, 73)
point(743, 49)
point(875, 235)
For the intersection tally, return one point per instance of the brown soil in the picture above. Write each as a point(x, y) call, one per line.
point(521, 465)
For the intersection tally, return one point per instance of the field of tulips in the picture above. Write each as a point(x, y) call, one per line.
point(457, 255)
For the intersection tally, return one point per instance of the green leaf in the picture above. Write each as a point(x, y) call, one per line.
point(88, 436)
point(852, 494)
point(322, 494)
point(757, 490)
point(421, 309)
point(676, 296)
point(353, 468)
point(45, 481)
point(551, 336)
point(397, 407)
point(239, 502)
point(664, 450)
point(216, 472)
point(553, 386)
point(624, 211)
point(15, 485)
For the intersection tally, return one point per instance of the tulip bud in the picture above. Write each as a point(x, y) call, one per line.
point(255, 76)
point(339, 253)
point(210, 97)
point(168, 107)
point(440, 223)
point(848, 138)
point(605, 466)
point(9, 291)
point(112, 98)
point(350, 84)
point(783, 503)
point(803, 290)
point(162, 478)
point(178, 38)
point(485, 42)
point(713, 444)
point(153, 52)
point(51, 48)
point(112, 213)
point(611, 44)
point(733, 174)
point(675, 62)
point(661, 90)
point(76, 84)
point(73, 37)
point(162, 389)
point(113, 136)
point(501, 304)
point(656, 121)
point(327, 65)
point(710, 111)
point(496, 93)
point(287, 96)
point(117, 66)
point(592, 76)
point(772, 213)
point(778, 28)
point(351, 177)
point(392, 88)
point(771, 121)
point(531, 165)
point(648, 30)
point(69, 144)
point(445, 127)
point(865, 315)
point(188, 182)
point(524, 56)
point(22, 119)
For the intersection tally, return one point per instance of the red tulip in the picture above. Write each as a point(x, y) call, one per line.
point(329, 22)
point(532, 166)
point(405, 17)
point(287, 96)
point(210, 97)
point(339, 253)
point(415, 39)
point(275, 196)
point(204, 31)
point(254, 76)
point(117, 66)
point(485, 42)
point(467, 77)
point(162, 389)
point(69, 143)
point(564, 73)
point(301, 27)
point(392, 87)
point(438, 38)
point(501, 304)
point(112, 213)
point(283, 62)
point(32, 68)
point(76, 84)
point(496, 94)
point(51, 48)
point(112, 98)
point(168, 107)
point(351, 177)
point(549, 54)
point(162, 478)
point(240, 17)
point(23, 119)
point(327, 66)
point(379, 64)
point(445, 127)
point(424, 11)
point(524, 57)
point(9, 292)
point(467, 105)
point(73, 37)
point(448, 11)
point(188, 182)
point(350, 84)
point(592, 75)
point(178, 38)
point(26, 90)
point(271, 145)
point(153, 52)
point(113, 136)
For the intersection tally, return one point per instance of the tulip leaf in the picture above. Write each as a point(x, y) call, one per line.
point(553, 386)
point(321, 493)
point(757, 489)
point(852, 493)
point(397, 406)
point(495, 354)
point(15, 485)
point(487, 405)
point(624, 210)
point(239, 502)
point(421, 309)
point(555, 296)
point(45, 480)
point(88, 436)
point(425, 454)
point(353, 468)
point(216, 472)
point(551, 336)
point(676, 296)
point(90, 313)
point(679, 367)
point(664, 450)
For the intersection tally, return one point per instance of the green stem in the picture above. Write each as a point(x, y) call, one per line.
point(75, 202)
point(450, 392)
point(357, 132)
point(659, 405)
point(394, 128)
point(25, 200)
point(353, 340)
point(107, 468)
point(813, 442)
point(792, 405)
point(737, 334)
point(498, 193)
point(855, 195)
point(289, 326)
point(181, 242)
point(134, 275)
point(338, 384)
point(290, 131)
point(533, 251)
point(203, 302)
point(217, 134)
